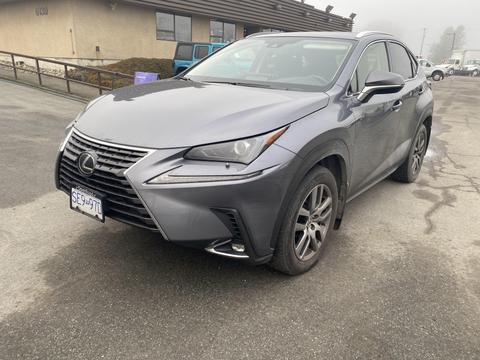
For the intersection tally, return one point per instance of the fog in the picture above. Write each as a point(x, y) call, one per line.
point(407, 18)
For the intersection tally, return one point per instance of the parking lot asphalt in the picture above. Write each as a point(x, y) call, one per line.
point(399, 280)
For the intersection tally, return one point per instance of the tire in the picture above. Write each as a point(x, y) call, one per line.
point(475, 73)
point(292, 256)
point(410, 169)
point(437, 76)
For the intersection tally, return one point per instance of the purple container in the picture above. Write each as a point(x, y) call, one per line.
point(145, 77)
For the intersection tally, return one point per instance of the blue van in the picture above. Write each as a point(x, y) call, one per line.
point(188, 54)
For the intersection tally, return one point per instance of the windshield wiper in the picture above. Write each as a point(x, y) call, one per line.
point(239, 83)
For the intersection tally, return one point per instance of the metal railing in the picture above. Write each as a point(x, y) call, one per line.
point(114, 76)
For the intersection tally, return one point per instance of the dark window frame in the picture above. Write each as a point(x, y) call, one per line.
point(355, 73)
point(223, 31)
point(174, 32)
point(413, 69)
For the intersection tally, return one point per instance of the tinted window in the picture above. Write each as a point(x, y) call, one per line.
point(216, 31)
point(374, 58)
point(401, 63)
point(201, 52)
point(183, 28)
point(173, 27)
point(222, 32)
point(165, 26)
point(184, 52)
point(228, 32)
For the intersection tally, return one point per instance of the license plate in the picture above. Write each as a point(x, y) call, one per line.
point(87, 203)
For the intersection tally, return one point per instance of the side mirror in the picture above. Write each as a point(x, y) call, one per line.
point(381, 82)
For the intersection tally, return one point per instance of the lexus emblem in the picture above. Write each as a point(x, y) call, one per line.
point(86, 162)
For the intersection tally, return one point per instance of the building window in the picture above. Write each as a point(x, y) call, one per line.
point(222, 32)
point(174, 27)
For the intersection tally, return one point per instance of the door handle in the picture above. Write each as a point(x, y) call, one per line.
point(397, 105)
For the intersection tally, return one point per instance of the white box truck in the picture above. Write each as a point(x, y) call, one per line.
point(463, 62)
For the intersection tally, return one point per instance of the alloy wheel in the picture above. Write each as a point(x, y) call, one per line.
point(313, 221)
point(419, 151)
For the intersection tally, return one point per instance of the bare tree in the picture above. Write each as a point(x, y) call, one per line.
point(451, 39)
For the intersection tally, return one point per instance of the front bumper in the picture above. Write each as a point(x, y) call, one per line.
point(210, 215)
point(206, 214)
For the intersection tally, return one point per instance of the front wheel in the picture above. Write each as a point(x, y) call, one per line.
point(437, 76)
point(410, 169)
point(307, 223)
point(475, 73)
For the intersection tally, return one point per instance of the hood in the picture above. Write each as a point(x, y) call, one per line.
point(178, 113)
point(445, 66)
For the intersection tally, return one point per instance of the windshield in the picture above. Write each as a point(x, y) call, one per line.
point(292, 63)
point(473, 62)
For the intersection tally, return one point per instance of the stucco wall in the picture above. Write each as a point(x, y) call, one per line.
point(22, 31)
point(74, 28)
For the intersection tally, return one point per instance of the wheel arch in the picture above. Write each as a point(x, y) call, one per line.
point(335, 157)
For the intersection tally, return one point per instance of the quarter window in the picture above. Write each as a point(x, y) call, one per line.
point(174, 27)
point(222, 31)
point(374, 58)
point(401, 63)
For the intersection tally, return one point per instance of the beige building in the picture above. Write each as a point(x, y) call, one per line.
point(102, 31)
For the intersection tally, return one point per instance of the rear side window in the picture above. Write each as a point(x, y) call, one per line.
point(201, 52)
point(374, 58)
point(184, 52)
point(401, 63)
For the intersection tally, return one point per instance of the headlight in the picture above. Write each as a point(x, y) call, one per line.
point(239, 151)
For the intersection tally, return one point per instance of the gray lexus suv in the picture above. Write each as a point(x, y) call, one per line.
point(254, 152)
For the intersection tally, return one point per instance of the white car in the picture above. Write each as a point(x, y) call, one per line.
point(431, 70)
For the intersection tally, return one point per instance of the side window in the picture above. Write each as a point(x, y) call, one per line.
point(401, 63)
point(184, 52)
point(201, 52)
point(374, 58)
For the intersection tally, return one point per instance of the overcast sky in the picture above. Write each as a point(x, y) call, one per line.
point(407, 18)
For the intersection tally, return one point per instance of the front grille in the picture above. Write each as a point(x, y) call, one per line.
point(108, 179)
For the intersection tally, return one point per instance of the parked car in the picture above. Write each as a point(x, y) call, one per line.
point(188, 54)
point(254, 152)
point(437, 73)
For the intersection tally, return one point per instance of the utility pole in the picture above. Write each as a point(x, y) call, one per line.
point(423, 42)
point(453, 42)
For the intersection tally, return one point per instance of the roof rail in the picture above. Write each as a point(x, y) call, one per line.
point(262, 33)
point(367, 33)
